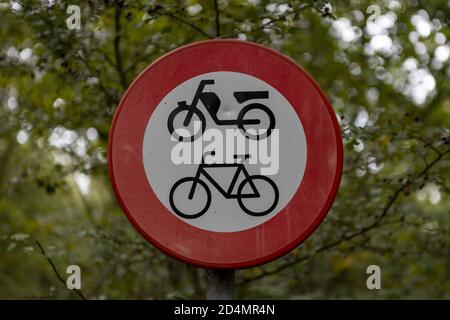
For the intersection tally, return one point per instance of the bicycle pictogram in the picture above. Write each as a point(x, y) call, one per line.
point(194, 190)
point(212, 103)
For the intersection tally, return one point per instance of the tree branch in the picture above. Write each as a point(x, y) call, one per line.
point(58, 275)
point(271, 21)
point(217, 20)
point(124, 261)
point(351, 236)
point(188, 23)
point(117, 39)
point(427, 143)
point(110, 99)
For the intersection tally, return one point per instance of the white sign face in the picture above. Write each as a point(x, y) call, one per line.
point(224, 151)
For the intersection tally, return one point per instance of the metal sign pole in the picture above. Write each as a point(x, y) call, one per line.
point(220, 284)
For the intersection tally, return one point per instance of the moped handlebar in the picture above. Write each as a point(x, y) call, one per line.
point(206, 82)
point(198, 93)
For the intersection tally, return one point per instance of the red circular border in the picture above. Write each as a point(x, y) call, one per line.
point(233, 250)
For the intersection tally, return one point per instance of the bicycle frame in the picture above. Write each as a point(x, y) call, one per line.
point(228, 194)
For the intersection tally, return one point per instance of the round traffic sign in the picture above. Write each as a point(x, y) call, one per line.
point(225, 154)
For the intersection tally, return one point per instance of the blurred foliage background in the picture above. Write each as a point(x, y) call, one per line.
point(383, 64)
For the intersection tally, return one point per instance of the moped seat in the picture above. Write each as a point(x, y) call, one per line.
point(242, 96)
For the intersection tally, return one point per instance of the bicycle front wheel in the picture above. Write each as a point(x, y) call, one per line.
point(190, 208)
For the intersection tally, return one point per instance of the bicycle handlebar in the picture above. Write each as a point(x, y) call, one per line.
point(245, 156)
point(236, 156)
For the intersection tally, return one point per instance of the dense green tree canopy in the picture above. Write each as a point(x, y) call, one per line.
point(385, 69)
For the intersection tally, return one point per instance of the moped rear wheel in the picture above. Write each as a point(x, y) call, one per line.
point(190, 208)
point(175, 124)
point(256, 131)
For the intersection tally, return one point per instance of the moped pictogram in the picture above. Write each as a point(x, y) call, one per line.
point(212, 104)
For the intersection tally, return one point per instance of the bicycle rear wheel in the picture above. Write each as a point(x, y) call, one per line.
point(268, 196)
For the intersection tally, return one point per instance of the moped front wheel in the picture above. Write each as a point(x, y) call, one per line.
point(256, 121)
point(185, 207)
point(194, 129)
point(264, 201)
